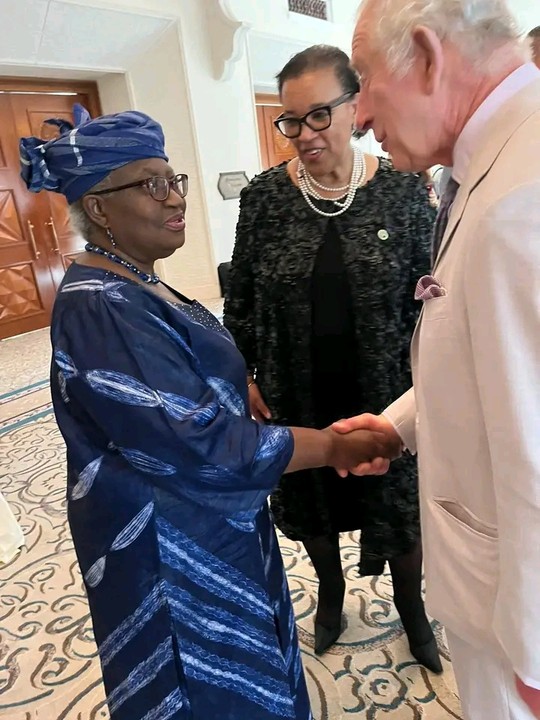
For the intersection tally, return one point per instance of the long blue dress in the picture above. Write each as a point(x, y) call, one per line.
point(168, 479)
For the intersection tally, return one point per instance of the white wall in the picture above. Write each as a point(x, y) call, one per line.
point(210, 124)
point(272, 17)
point(159, 88)
point(276, 34)
point(267, 56)
point(527, 13)
point(225, 126)
point(115, 92)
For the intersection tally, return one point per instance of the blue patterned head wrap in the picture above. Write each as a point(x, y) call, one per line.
point(86, 152)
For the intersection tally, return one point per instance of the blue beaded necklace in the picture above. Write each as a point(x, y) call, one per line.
point(145, 277)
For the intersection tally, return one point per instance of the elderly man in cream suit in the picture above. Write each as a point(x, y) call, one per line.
point(446, 81)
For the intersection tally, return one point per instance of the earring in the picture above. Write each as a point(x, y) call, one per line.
point(111, 237)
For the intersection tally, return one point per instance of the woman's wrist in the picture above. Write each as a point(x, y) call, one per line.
point(329, 446)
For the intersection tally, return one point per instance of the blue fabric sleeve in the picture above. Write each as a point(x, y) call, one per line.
point(138, 383)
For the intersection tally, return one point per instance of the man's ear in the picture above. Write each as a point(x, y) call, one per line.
point(429, 58)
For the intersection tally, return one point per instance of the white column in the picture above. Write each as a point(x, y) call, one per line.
point(158, 86)
point(223, 108)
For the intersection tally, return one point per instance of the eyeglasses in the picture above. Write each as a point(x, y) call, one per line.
point(158, 187)
point(318, 119)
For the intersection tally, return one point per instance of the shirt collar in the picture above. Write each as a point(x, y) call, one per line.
point(468, 139)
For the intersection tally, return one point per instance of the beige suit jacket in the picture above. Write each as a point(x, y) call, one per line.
point(474, 413)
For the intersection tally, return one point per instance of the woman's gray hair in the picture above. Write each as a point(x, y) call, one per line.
point(477, 27)
point(78, 216)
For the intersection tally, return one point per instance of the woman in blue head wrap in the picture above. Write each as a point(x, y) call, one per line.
point(168, 476)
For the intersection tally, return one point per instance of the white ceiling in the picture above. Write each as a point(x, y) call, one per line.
point(86, 38)
point(64, 34)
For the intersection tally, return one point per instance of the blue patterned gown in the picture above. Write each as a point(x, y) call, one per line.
point(167, 485)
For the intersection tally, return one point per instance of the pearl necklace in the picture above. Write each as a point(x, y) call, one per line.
point(145, 277)
point(343, 189)
point(307, 184)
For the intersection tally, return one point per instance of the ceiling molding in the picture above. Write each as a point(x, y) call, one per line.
point(227, 38)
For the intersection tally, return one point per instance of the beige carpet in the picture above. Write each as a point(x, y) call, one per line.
point(48, 664)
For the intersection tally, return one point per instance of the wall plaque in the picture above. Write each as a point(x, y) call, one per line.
point(231, 184)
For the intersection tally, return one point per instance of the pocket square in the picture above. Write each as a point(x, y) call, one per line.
point(427, 288)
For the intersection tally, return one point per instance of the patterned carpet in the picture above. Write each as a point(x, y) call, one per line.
point(48, 664)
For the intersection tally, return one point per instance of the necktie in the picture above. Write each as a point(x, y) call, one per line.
point(447, 200)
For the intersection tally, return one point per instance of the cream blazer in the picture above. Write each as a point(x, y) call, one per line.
point(474, 412)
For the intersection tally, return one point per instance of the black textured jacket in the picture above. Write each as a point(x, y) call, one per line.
point(386, 239)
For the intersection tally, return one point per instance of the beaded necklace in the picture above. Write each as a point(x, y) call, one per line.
point(145, 277)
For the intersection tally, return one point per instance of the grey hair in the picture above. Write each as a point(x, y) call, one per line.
point(79, 217)
point(476, 27)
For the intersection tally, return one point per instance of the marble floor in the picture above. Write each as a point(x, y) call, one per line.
point(48, 664)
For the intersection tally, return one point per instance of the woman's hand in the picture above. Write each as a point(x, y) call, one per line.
point(371, 447)
point(345, 451)
point(380, 425)
point(257, 407)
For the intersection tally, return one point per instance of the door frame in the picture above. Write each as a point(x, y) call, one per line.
point(267, 99)
point(52, 87)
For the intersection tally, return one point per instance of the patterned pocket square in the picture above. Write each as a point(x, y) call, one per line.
point(428, 288)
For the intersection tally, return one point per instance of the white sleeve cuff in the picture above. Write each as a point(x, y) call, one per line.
point(402, 415)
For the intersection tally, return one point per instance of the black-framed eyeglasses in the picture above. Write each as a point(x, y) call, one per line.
point(159, 187)
point(318, 119)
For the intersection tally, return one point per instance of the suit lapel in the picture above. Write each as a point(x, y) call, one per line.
point(498, 133)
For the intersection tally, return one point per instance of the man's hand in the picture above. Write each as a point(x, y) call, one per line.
point(393, 445)
point(257, 407)
point(530, 696)
point(361, 447)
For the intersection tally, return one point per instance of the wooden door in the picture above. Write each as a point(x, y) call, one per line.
point(275, 148)
point(26, 284)
point(36, 239)
point(60, 240)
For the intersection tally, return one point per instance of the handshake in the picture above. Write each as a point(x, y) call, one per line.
point(363, 445)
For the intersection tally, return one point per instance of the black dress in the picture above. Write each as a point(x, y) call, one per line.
point(324, 310)
point(335, 392)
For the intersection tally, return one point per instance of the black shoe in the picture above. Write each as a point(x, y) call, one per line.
point(428, 656)
point(325, 637)
point(328, 620)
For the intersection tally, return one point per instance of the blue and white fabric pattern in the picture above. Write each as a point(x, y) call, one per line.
point(168, 479)
point(87, 151)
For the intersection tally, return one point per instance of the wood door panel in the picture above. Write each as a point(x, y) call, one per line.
point(26, 289)
point(10, 227)
point(19, 296)
point(3, 163)
point(31, 111)
point(280, 148)
point(62, 236)
point(41, 129)
point(275, 147)
point(37, 243)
